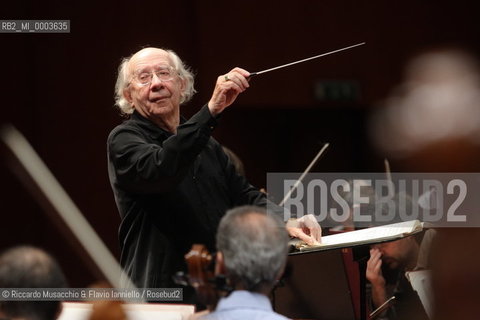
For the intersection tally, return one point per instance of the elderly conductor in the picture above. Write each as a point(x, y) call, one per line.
point(171, 180)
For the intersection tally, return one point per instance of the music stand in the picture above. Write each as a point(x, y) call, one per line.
point(316, 287)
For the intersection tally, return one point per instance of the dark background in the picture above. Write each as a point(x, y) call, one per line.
point(58, 89)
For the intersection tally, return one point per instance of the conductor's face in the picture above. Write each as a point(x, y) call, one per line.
point(154, 85)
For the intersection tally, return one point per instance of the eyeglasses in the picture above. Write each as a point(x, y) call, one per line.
point(163, 74)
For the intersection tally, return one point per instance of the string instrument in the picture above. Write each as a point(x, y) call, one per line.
point(201, 276)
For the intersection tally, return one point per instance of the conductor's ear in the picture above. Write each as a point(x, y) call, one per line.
point(127, 94)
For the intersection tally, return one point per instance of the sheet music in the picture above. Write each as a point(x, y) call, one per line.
point(386, 232)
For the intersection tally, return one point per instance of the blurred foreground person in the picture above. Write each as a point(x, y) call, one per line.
point(431, 121)
point(455, 273)
point(29, 267)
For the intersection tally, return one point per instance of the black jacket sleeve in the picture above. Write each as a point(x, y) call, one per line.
point(144, 161)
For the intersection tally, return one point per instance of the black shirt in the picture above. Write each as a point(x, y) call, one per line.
point(171, 191)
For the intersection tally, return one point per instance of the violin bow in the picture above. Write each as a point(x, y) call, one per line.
point(65, 207)
point(295, 186)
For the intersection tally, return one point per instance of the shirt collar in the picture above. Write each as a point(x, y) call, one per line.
point(151, 128)
point(245, 299)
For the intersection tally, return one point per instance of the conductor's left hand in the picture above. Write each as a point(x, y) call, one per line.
point(305, 228)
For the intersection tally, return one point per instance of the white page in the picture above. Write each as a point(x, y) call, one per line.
point(386, 231)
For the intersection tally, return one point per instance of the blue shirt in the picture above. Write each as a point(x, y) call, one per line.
point(244, 305)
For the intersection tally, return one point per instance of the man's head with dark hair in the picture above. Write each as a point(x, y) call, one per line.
point(29, 267)
point(253, 248)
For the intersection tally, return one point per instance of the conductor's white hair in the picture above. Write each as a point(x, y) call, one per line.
point(124, 78)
